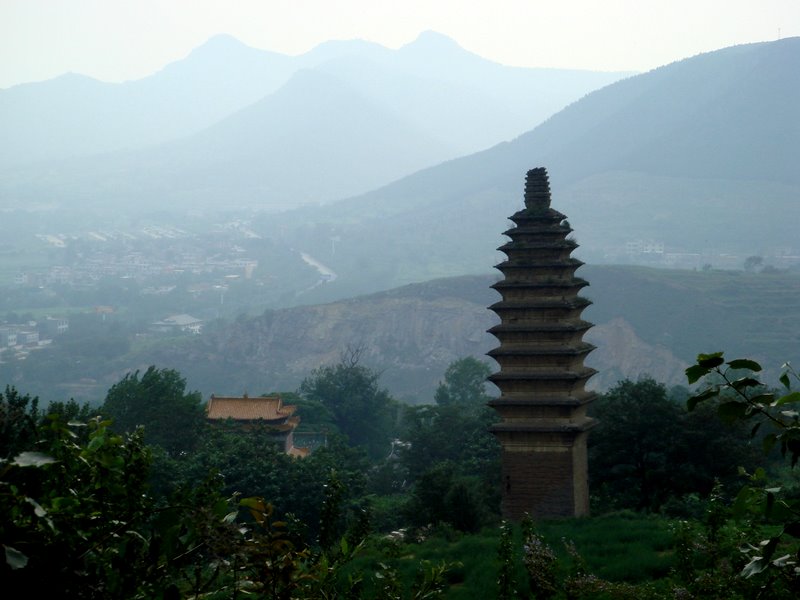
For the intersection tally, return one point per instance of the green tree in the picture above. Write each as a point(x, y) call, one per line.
point(643, 432)
point(22, 421)
point(427, 502)
point(19, 417)
point(711, 450)
point(363, 411)
point(631, 446)
point(158, 401)
point(454, 463)
point(464, 384)
point(751, 263)
point(436, 434)
point(248, 463)
point(456, 429)
point(71, 411)
point(449, 453)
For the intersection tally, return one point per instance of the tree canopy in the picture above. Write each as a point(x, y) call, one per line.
point(643, 434)
point(630, 446)
point(464, 384)
point(19, 416)
point(362, 410)
point(450, 453)
point(158, 401)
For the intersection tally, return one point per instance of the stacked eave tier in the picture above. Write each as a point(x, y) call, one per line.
point(509, 380)
point(544, 426)
point(570, 401)
point(547, 357)
point(518, 263)
point(533, 216)
point(542, 235)
point(556, 287)
point(517, 269)
point(536, 245)
point(541, 351)
point(545, 332)
point(546, 309)
point(544, 413)
point(542, 382)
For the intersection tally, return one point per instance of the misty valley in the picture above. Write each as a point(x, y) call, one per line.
point(321, 231)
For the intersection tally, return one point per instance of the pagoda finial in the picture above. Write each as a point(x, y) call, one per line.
point(537, 189)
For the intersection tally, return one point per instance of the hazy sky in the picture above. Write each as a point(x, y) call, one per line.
point(115, 40)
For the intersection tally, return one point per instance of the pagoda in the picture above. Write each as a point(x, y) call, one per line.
point(542, 400)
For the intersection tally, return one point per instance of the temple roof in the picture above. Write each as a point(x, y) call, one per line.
point(299, 451)
point(245, 408)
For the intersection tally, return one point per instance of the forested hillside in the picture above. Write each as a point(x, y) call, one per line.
point(647, 321)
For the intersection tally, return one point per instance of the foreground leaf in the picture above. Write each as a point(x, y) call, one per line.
point(745, 363)
point(32, 459)
point(14, 558)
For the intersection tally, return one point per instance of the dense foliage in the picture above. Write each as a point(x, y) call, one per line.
point(643, 433)
point(449, 453)
point(363, 411)
point(95, 509)
point(79, 520)
point(158, 401)
point(21, 419)
point(742, 397)
point(72, 513)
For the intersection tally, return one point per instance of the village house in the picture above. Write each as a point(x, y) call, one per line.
point(179, 323)
point(8, 336)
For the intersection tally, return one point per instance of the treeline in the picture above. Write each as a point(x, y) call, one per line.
point(145, 479)
point(146, 499)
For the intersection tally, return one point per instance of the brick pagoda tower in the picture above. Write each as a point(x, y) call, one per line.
point(542, 376)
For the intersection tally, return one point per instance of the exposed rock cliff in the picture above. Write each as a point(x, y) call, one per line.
point(410, 334)
point(622, 354)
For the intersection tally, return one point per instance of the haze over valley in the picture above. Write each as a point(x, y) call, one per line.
point(234, 127)
point(239, 180)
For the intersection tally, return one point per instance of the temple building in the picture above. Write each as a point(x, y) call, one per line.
point(266, 412)
point(542, 400)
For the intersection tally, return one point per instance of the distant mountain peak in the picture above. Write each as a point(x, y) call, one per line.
point(435, 50)
point(430, 39)
point(334, 49)
point(224, 38)
point(222, 44)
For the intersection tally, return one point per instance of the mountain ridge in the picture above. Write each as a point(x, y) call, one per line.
point(213, 81)
point(622, 168)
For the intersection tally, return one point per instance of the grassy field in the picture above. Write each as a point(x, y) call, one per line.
point(623, 547)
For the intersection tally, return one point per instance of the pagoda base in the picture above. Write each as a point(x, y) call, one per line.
point(544, 475)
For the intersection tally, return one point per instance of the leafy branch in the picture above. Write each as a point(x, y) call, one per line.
point(743, 396)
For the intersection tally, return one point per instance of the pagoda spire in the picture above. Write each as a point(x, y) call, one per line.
point(537, 189)
point(542, 404)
